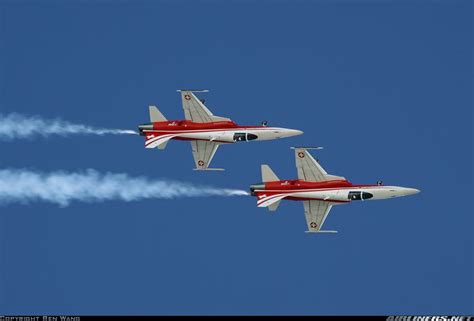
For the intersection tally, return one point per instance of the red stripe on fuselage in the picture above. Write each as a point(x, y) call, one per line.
point(190, 125)
point(289, 192)
point(297, 184)
point(303, 190)
point(178, 130)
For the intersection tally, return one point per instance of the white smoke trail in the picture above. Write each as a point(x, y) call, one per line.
point(14, 126)
point(24, 186)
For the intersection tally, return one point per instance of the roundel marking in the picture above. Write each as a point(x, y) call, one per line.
point(300, 154)
point(313, 225)
point(187, 97)
point(201, 163)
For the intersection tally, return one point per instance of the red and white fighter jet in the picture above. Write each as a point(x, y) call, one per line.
point(205, 131)
point(318, 190)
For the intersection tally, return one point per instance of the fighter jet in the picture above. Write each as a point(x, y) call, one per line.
point(318, 190)
point(205, 131)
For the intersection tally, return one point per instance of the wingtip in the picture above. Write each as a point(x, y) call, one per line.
point(194, 90)
point(303, 147)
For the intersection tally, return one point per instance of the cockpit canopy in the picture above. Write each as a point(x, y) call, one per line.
point(357, 196)
point(244, 137)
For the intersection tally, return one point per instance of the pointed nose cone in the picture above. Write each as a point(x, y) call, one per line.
point(409, 191)
point(293, 132)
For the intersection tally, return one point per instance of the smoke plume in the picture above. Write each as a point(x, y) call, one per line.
point(62, 188)
point(17, 126)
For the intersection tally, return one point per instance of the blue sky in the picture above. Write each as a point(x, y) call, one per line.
point(385, 87)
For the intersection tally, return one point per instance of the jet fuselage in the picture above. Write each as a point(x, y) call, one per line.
point(334, 191)
point(221, 131)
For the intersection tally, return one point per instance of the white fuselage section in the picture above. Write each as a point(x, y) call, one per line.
point(342, 195)
point(232, 135)
point(338, 195)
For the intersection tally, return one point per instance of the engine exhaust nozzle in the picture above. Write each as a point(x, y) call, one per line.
point(254, 187)
point(143, 127)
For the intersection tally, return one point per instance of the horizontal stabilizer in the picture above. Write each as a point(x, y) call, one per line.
point(162, 146)
point(327, 231)
point(273, 207)
point(208, 169)
point(266, 201)
point(155, 141)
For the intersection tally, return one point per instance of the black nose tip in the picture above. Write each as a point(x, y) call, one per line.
point(254, 187)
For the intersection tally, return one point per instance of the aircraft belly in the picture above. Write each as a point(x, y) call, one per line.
point(199, 135)
point(213, 136)
point(227, 135)
point(337, 196)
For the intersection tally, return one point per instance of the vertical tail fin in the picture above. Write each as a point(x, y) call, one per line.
point(268, 175)
point(156, 115)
